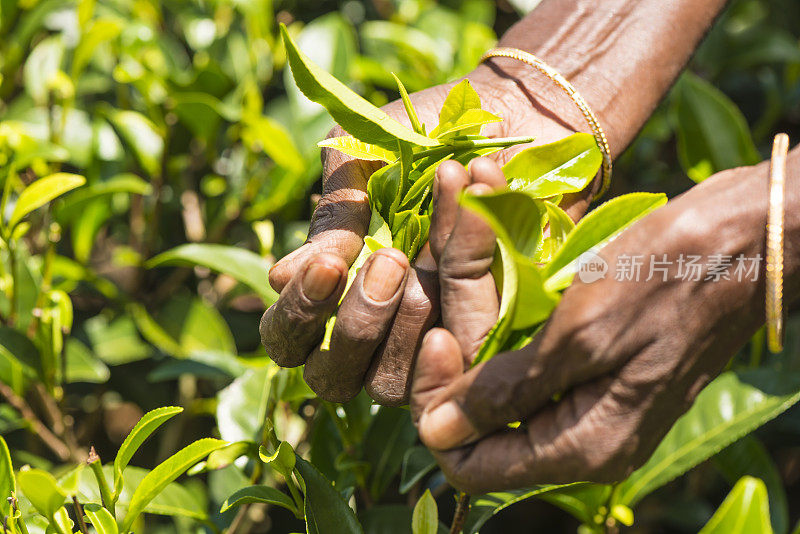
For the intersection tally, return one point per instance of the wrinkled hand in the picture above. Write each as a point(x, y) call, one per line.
point(624, 358)
point(391, 304)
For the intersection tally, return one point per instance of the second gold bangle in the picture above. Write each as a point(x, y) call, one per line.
point(775, 216)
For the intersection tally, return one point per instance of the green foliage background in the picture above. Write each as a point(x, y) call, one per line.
point(143, 287)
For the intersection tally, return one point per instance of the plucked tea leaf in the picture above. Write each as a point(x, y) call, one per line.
point(564, 166)
point(461, 98)
point(410, 111)
point(468, 123)
point(358, 149)
point(353, 113)
point(513, 216)
point(744, 510)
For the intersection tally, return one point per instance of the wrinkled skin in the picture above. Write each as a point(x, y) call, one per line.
point(375, 340)
point(627, 358)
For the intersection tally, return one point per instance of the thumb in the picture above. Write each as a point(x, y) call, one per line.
point(340, 220)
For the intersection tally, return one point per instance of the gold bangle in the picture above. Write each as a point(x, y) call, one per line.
point(777, 191)
point(555, 76)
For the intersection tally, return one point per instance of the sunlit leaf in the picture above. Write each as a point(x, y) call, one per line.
point(101, 519)
point(744, 510)
point(42, 490)
point(43, 191)
point(426, 515)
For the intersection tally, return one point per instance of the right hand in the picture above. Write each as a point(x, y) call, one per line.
point(391, 304)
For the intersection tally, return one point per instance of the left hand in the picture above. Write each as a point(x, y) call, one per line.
point(626, 357)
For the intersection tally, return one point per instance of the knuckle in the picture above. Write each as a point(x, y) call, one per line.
point(341, 208)
point(361, 327)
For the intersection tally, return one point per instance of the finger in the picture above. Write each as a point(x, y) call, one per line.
point(341, 217)
point(388, 379)
point(451, 178)
point(292, 326)
point(363, 318)
point(470, 303)
point(564, 442)
point(438, 364)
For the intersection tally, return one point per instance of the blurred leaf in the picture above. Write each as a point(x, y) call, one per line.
point(120, 183)
point(355, 114)
point(417, 462)
point(101, 519)
point(202, 113)
point(7, 483)
point(19, 358)
point(41, 489)
point(390, 434)
point(140, 432)
point(243, 265)
point(41, 66)
point(582, 501)
point(43, 191)
point(325, 510)
point(167, 471)
point(712, 133)
point(733, 404)
point(82, 365)
point(116, 342)
point(261, 494)
point(100, 31)
point(748, 456)
point(142, 136)
point(195, 326)
point(425, 519)
point(241, 407)
point(744, 510)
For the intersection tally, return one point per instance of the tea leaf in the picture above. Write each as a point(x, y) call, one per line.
point(43, 191)
point(325, 509)
point(425, 519)
point(355, 114)
point(358, 149)
point(101, 519)
point(513, 216)
point(241, 264)
point(170, 469)
point(146, 426)
point(468, 123)
point(734, 404)
point(410, 111)
point(565, 166)
point(7, 484)
point(461, 98)
point(41, 488)
point(282, 460)
point(744, 510)
point(417, 462)
point(144, 137)
point(262, 494)
point(596, 229)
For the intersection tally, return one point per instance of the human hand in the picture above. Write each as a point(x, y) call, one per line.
point(391, 304)
point(626, 358)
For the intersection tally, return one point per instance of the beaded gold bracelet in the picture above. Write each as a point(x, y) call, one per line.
point(775, 215)
point(555, 76)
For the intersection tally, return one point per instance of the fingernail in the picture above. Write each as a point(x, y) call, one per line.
point(383, 278)
point(320, 280)
point(446, 427)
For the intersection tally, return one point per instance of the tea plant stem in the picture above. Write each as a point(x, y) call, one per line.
point(97, 468)
point(471, 145)
point(79, 515)
point(460, 515)
point(12, 260)
point(48, 438)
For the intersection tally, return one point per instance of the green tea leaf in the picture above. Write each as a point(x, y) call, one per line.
point(534, 303)
point(410, 111)
point(515, 218)
point(749, 457)
point(101, 519)
point(417, 462)
point(7, 484)
point(261, 494)
point(41, 488)
point(146, 426)
point(390, 434)
point(355, 114)
point(468, 123)
point(734, 404)
point(241, 264)
point(144, 137)
point(712, 133)
point(43, 191)
point(358, 149)
point(461, 98)
point(325, 509)
point(596, 229)
point(426, 515)
point(744, 510)
point(282, 460)
point(170, 469)
point(564, 166)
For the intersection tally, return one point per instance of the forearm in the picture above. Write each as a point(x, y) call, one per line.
point(621, 55)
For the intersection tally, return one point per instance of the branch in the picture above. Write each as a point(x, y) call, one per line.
point(48, 438)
